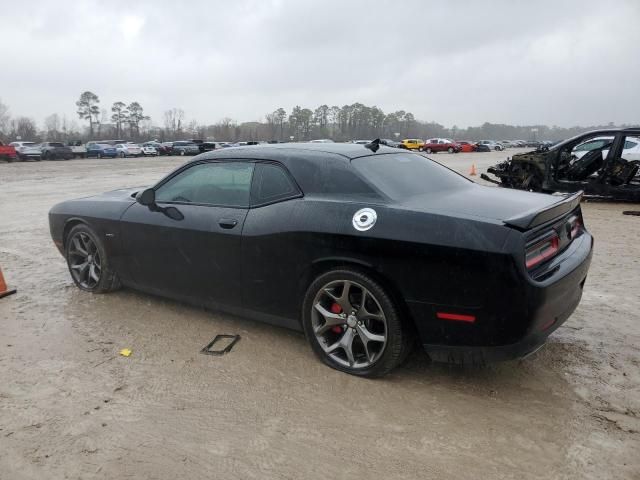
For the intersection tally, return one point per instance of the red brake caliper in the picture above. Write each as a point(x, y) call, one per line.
point(335, 308)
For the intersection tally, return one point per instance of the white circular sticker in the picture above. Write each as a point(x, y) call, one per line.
point(364, 219)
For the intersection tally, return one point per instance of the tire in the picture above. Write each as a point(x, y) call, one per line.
point(420, 149)
point(82, 238)
point(383, 358)
point(99, 156)
point(182, 153)
point(122, 155)
point(44, 156)
point(450, 150)
point(428, 150)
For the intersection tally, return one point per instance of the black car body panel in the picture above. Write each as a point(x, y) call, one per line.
point(603, 172)
point(446, 250)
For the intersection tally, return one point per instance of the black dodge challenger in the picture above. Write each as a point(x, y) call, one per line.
point(364, 248)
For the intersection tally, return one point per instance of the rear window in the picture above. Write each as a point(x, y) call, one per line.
point(403, 175)
point(56, 144)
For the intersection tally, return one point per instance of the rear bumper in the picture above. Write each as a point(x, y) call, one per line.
point(544, 307)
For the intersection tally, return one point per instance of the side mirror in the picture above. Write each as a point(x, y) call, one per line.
point(146, 197)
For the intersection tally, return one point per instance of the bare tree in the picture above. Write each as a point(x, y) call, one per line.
point(52, 127)
point(24, 128)
point(173, 120)
point(88, 109)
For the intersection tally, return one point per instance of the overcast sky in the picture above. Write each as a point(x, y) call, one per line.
point(455, 62)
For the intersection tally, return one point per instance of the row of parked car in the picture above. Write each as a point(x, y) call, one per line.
point(119, 148)
point(435, 145)
point(24, 150)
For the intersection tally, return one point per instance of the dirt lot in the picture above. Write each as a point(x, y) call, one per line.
point(71, 407)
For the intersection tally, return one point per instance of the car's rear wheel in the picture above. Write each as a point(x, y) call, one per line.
point(428, 150)
point(88, 262)
point(353, 324)
point(122, 155)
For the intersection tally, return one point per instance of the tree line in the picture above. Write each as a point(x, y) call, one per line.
point(128, 121)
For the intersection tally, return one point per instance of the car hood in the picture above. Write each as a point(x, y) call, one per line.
point(116, 195)
point(497, 205)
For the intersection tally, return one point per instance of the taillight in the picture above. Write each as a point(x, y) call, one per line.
point(542, 250)
point(576, 226)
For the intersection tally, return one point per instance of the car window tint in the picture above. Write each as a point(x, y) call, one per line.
point(404, 175)
point(271, 183)
point(224, 184)
point(339, 177)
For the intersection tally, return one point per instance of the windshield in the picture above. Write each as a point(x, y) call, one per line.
point(403, 175)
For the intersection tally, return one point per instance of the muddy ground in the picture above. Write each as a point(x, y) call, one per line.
point(71, 407)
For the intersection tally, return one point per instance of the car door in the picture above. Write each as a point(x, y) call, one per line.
point(271, 263)
point(196, 257)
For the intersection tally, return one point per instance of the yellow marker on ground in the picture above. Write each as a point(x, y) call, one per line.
point(125, 352)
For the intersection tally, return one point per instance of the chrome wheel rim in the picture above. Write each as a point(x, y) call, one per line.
point(84, 261)
point(349, 324)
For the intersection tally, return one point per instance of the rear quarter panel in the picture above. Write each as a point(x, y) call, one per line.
point(423, 258)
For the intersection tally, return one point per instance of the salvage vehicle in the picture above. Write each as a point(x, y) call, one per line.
point(321, 238)
point(185, 148)
point(149, 151)
point(467, 147)
point(55, 151)
point(435, 145)
point(161, 148)
point(8, 153)
point(27, 150)
point(389, 143)
point(128, 150)
point(412, 144)
point(78, 149)
point(101, 150)
point(492, 145)
point(608, 169)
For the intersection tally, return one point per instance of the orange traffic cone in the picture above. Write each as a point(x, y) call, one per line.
point(4, 291)
point(473, 171)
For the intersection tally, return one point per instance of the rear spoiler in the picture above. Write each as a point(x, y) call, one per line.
point(533, 218)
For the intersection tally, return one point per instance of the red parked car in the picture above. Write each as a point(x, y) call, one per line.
point(435, 145)
point(7, 153)
point(466, 147)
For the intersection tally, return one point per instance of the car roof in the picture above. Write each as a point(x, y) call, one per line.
point(282, 151)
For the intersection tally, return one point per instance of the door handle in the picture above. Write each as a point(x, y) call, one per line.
point(228, 223)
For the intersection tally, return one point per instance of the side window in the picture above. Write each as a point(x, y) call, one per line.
point(223, 184)
point(271, 183)
point(339, 177)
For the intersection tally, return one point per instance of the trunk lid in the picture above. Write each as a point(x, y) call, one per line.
point(515, 208)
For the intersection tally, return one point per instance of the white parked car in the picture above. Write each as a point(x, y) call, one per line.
point(128, 150)
point(149, 151)
point(492, 145)
point(27, 150)
point(631, 150)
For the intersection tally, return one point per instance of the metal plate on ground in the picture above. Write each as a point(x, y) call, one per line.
point(224, 346)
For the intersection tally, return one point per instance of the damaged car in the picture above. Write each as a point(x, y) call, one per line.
point(602, 163)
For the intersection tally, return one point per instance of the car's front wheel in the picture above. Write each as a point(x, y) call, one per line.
point(87, 261)
point(353, 325)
